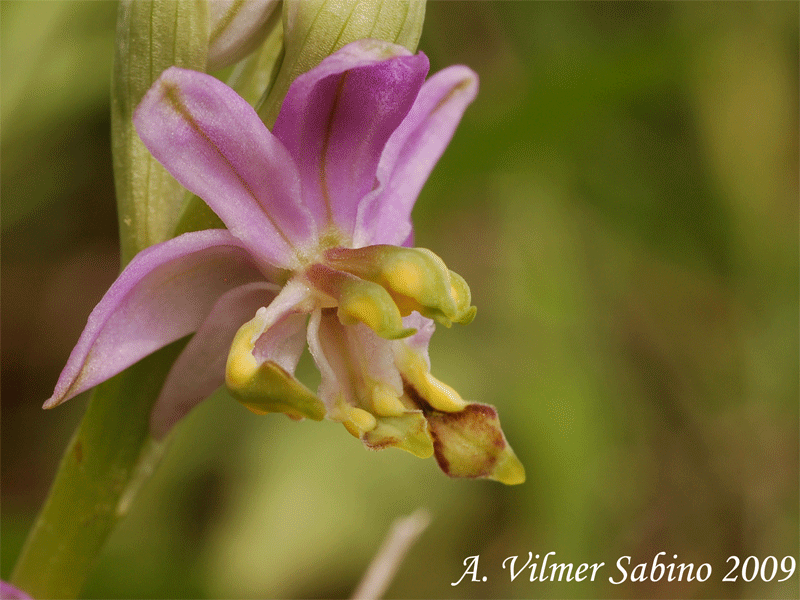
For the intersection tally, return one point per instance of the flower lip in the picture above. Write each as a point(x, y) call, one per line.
point(470, 443)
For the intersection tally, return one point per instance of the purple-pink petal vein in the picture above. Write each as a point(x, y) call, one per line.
point(162, 295)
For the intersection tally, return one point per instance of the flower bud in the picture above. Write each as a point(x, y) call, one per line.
point(253, 76)
point(314, 29)
point(236, 28)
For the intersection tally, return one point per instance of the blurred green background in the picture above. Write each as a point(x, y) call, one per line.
point(623, 200)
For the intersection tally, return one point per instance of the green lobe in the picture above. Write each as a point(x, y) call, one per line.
point(408, 432)
point(272, 389)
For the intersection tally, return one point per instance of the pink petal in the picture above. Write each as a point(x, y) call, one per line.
point(200, 369)
point(162, 295)
point(327, 343)
point(384, 216)
point(421, 339)
point(336, 120)
point(283, 342)
point(350, 359)
point(264, 355)
point(9, 592)
point(214, 144)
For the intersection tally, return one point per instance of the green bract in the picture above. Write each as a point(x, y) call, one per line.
point(152, 35)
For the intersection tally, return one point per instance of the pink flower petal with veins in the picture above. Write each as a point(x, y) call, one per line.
point(214, 144)
point(163, 295)
point(200, 368)
point(415, 147)
point(337, 118)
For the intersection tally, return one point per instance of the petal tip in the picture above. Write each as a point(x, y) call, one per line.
point(407, 432)
point(52, 402)
point(508, 469)
point(62, 393)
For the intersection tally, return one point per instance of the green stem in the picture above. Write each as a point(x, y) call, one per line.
point(100, 471)
point(111, 454)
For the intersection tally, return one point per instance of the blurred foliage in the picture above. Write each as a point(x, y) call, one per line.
point(622, 199)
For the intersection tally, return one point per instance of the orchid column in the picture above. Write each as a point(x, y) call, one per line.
point(112, 451)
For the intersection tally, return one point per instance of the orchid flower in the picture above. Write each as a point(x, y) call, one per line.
point(318, 217)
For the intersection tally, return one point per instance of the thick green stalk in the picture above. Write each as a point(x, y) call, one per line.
point(98, 473)
point(111, 453)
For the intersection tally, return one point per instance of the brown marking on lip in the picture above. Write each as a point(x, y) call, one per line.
point(384, 443)
point(479, 419)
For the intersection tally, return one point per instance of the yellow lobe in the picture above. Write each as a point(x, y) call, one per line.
point(509, 469)
point(352, 429)
point(419, 275)
point(362, 419)
point(386, 403)
point(441, 396)
point(369, 303)
point(267, 387)
point(406, 278)
point(459, 291)
point(358, 421)
point(438, 394)
point(241, 365)
point(364, 309)
point(416, 278)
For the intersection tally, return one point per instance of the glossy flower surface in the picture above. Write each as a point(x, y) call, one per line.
point(318, 217)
